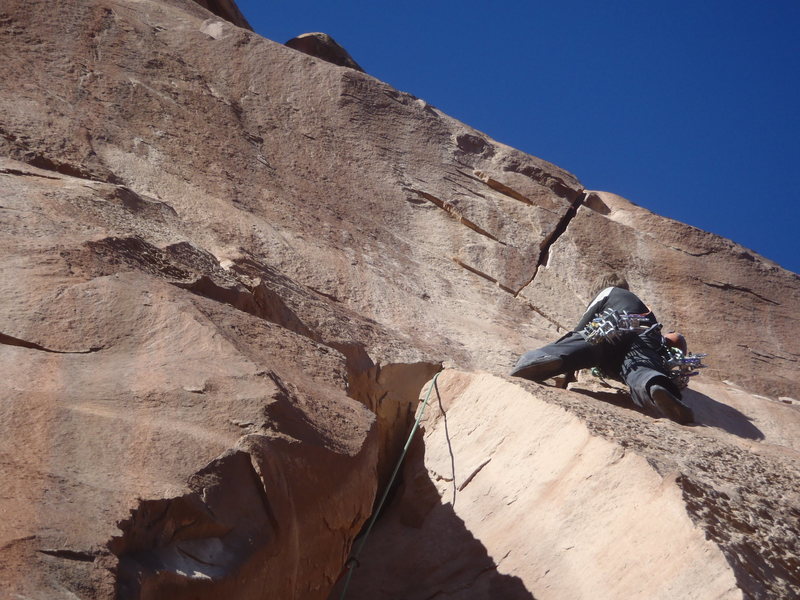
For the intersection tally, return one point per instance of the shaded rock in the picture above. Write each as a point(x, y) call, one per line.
point(323, 46)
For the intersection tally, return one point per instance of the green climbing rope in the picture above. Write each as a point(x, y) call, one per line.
point(353, 560)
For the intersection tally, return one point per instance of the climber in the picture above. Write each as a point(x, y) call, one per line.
point(635, 357)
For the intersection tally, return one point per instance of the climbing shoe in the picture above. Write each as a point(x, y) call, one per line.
point(543, 367)
point(669, 406)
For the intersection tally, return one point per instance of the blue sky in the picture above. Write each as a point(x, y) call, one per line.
point(689, 109)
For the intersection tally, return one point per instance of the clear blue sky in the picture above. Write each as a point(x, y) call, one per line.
point(690, 109)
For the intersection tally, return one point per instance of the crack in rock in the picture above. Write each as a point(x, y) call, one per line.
point(539, 175)
point(508, 290)
point(472, 475)
point(485, 276)
point(25, 174)
point(695, 254)
point(188, 554)
point(64, 168)
point(472, 193)
point(766, 355)
point(558, 231)
point(729, 286)
point(9, 340)
point(502, 188)
point(453, 211)
point(547, 317)
point(70, 554)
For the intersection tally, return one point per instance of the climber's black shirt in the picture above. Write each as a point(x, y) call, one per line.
point(616, 299)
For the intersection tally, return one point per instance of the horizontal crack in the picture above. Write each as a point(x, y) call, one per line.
point(696, 254)
point(482, 274)
point(47, 164)
point(70, 555)
point(547, 317)
point(539, 175)
point(25, 174)
point(766, 355)
point(461, 185)
point(9, 340)
point(259, 301)
point(451, 210)
point(730, 286)
point(468, 175)
point(509, 291)
point(502, 188)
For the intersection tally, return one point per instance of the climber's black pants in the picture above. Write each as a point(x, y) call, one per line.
point(574, 351)
point(635, 360)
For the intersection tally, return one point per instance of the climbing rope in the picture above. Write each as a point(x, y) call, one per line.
point(352, 562)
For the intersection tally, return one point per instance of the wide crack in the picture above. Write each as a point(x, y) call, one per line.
point(200, 539)
point(552, 238)
point(391, 392)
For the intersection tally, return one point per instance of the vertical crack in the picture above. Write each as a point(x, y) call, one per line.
point(560, 228)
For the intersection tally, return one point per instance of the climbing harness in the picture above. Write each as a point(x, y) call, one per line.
point(680, 367)
point(353, 562)
point(612, 325)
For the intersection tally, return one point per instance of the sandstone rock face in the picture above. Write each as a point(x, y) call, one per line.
point(521, 491)
point(325, 47)
point(164, 432)
point(226, 9)
point(229, 268)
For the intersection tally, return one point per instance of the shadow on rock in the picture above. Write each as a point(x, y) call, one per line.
point(617, 398)
point(421, 549)
point(708, 411)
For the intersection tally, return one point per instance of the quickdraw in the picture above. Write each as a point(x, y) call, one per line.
point(682, 367)
point(612, 325)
